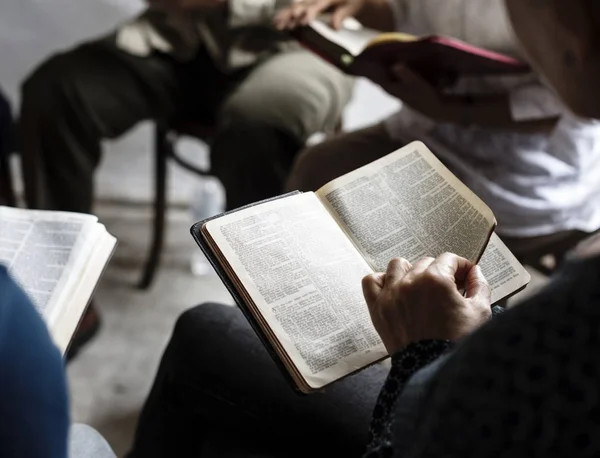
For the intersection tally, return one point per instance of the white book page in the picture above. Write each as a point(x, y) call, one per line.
point(408, 204)
point(501, 268)
point(67, 318)
point(44, 251)
point(304, 275)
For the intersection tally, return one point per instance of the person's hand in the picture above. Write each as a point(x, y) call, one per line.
point(186, 4)
point(411, 88)
point(304, 11)
point(411, 303)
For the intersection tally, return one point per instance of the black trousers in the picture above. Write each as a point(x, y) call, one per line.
point(218, 394)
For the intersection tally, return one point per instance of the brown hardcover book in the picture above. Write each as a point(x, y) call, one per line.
point(294, 264)
point(353, 48)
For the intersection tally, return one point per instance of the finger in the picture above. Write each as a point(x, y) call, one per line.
point(411, 78)
point(372, 286)
point(476, 285)
point(314, 10)
point(338, 16)
point(282, 19)
point(396, 270)
point(299, 10)
point(421, 265)
point(290, 17)
point(453, 267)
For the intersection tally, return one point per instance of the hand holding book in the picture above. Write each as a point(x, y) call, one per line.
point(376, 14)
point(410, 303)
point(294, 264)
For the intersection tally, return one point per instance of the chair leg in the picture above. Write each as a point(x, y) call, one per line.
point(162, 152)
point(7, 192)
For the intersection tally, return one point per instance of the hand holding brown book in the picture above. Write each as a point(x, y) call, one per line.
point(355, 49)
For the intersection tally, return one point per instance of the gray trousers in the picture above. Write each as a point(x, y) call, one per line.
point(86, 442)
point(96, 91)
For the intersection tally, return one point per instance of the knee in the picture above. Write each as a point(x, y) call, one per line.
point(49, 84)
point(307, 172)
point(197, 326)
point(299, 107)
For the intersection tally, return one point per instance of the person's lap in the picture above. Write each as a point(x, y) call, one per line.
point(219, 391)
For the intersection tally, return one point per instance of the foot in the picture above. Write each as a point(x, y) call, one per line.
point(87, 329)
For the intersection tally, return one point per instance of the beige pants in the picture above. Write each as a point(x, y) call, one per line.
point(322, 163)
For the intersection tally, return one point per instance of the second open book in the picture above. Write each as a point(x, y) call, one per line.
point(294, 264)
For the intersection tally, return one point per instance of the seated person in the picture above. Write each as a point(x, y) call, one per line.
point(214, 61)
point(34, 408)
point(217, 62)
point(507, 138)
point(525, 384)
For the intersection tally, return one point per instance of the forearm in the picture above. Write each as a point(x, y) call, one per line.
point(489, 112)
point(377, 14)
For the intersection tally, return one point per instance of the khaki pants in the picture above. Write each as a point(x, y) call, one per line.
point(263, 116)
point(322, 163)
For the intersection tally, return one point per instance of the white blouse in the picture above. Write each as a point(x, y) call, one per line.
point(536, 184)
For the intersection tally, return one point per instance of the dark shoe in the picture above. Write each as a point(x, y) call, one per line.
point(87, 329)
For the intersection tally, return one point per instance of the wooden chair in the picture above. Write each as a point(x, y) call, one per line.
point(165, 140)
point(7, 192)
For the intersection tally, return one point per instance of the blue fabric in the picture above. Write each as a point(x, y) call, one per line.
point(34, 411)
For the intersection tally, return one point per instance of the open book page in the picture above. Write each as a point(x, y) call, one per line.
point(64, 322)
point(503, 271)
point(45, 251)
point(352, 36)
point(408, 204)
point(304, 277)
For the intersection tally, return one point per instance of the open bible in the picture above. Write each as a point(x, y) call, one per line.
point(294, 264)
point(354, 48)
point(57, 258)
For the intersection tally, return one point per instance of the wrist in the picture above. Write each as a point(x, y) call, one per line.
point(431, 349)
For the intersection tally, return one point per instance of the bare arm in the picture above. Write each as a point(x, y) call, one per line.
point(491, 112)
point(486, 111)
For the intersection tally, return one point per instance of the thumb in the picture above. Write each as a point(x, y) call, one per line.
point(476, 286)
point(372, 286)
point(339, 15)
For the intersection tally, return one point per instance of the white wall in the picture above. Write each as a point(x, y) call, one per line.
point(30, 30)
